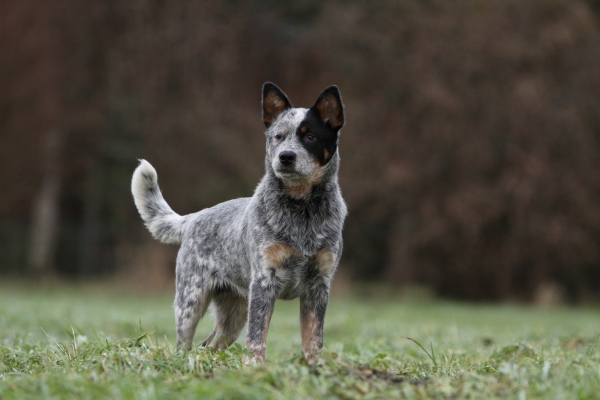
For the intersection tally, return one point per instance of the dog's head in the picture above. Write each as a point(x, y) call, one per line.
point(301, 142)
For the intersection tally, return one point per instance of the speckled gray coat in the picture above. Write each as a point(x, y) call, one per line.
point(283, 242)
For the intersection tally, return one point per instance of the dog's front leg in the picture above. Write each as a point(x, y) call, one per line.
point(313, 305)
point(263, 293)
point(266, 284)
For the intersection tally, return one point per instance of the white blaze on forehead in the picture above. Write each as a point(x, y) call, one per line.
point(299, 115)
point(290, 119)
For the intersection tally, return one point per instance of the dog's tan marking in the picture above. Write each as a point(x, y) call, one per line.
point(277, 253)
point(274, 102)
point(299, 188)
point(310, 337)
point(325, 261)
point(304, 129)
point(329, 110)
point(326, 154)
point(273, 106)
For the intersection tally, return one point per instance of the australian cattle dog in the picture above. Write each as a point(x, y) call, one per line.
point(283, 242)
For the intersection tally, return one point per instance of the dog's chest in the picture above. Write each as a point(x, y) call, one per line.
point(297, 273)
point(294, 270)
point(307, 230)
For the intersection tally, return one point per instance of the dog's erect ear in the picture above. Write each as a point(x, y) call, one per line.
point(274, 102)
point(330, 108)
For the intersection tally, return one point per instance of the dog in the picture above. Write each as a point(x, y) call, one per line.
point(283, 242)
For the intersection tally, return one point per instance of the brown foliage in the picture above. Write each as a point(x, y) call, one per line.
point(470, 153)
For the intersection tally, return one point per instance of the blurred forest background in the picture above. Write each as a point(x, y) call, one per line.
point(470, 157)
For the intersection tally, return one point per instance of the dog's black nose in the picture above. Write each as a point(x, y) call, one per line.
point(287, 157)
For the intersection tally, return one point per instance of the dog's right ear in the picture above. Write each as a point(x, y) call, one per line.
point(274, 102)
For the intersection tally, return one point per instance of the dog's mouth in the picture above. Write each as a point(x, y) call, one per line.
point(289, 174)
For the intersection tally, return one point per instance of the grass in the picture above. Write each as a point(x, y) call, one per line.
point(94, 343)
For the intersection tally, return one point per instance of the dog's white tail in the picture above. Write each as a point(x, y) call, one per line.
point(162, 222)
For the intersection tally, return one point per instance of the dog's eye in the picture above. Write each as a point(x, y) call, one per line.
point(310, 137)
point(278, 136)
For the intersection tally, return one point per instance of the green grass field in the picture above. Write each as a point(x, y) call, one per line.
point(91, 342)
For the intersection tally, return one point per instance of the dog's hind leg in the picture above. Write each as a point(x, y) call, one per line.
point(190, 306)
point(209, 338)
point(231, 313)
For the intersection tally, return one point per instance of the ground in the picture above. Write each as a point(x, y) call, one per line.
point(96, 342)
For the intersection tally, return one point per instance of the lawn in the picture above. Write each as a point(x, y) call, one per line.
point(94, 342)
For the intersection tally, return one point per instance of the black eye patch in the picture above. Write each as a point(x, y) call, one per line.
point(317, 138)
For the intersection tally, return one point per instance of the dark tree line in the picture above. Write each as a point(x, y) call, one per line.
point(470, 159)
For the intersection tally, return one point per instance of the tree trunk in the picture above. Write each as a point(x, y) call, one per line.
point(45, 213)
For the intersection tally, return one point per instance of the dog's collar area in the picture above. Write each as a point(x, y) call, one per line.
point(299, 189)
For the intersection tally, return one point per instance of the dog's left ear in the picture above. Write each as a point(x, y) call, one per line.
point(274, 103)
point(330, 108)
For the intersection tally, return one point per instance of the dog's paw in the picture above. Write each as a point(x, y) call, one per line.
point(311, 360)
point(253, 360)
